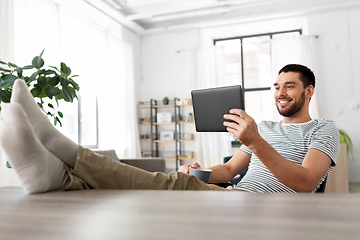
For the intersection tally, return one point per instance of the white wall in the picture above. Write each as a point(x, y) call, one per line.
point(164, 71)
point(337, 59)
point(134, 39)
point(336, 64)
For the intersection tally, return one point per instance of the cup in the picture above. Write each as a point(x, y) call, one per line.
point(201, 174)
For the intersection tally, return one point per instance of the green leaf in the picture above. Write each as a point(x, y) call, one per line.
point(74, 76)
point(50, 105)
point(60, 114)
point(75, 85)
point(59, 97)
point(4, 63)
point(43, 82)
point(12, 65)
point(19, 72)
point(4, 70)
point(68, 97)
point(48, 93)
point(7, 80)
point(41, 53)
point(5, 96)
point(48, 72)
point(37, 62)
point(57, 119)
point(28, 67)
point(73, 91)
point(68, 71)
point(64, 69)
point(33, 76)
point(64, 82)
point(36, 91)
point(54, 68)
point(54, 81)
point(55, 91)
point(8, 164)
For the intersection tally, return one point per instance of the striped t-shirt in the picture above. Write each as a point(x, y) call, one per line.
point(292, 141)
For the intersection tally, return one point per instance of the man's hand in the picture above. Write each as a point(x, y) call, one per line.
point(185, 168)
point(245, 128)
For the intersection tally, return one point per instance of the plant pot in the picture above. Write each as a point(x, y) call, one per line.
point(166, 102)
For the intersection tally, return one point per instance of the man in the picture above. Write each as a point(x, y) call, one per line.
point(294, 155)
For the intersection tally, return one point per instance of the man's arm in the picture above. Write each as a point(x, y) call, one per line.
point(225, 172)
point(300, 178)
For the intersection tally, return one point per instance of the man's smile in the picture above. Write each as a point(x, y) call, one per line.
point(284, 102)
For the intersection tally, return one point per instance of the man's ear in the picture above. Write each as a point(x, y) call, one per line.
point(309, 91)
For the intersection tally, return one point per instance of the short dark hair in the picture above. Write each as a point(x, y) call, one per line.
point(306, 75)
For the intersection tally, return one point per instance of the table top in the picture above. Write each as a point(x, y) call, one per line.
point(139, 214)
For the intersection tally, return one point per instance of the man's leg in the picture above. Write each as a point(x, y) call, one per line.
point(54, 141)
point(87, 169)
point(96, 171)
point(38, 169)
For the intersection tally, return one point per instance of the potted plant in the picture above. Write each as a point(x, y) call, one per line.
point(53, 83)
point(166, 100)
point(344, 138)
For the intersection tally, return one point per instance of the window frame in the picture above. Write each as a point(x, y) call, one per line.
point(241, 38)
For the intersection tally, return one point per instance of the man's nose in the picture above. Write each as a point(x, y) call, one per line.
point(282, 91)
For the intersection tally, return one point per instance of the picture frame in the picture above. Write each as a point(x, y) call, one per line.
point(164, 117)
point(167, 135)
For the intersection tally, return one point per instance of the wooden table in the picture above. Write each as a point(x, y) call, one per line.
point(124, 214)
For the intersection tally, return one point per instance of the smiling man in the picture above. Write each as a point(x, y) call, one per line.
point(293, 155)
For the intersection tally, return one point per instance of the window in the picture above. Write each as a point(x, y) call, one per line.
point(248, 63)
point(82, 53)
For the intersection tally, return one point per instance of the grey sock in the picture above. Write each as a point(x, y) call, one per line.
point(38, 169)
point(54, 141)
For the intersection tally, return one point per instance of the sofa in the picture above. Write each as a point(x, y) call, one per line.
point(151, 164)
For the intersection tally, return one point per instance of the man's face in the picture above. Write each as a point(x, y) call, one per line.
point(289, 93)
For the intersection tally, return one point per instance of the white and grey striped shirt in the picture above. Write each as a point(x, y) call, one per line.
point(292, 141)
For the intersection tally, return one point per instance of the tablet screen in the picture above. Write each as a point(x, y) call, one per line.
point(211, 104)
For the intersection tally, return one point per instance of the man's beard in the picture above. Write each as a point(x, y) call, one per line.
point(292, 109)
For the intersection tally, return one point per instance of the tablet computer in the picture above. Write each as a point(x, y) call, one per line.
point(211, 104)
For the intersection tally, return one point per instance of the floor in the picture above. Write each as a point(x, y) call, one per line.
point(354, 187)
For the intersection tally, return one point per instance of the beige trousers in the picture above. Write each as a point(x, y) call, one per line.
point(96, 171)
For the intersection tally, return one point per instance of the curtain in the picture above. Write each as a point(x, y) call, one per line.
point(208, 70)
point(117, 104)
point(293, 49)
point(7, 54)
point(104, 63)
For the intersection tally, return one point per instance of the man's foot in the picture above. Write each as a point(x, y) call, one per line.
point(54, 141)
point(38, 169)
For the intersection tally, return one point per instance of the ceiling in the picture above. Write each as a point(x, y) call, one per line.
point(154, 16)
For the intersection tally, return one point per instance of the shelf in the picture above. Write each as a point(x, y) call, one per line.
point(185, 138)
point(164, 106)
point(164, 141)
point(169, 123)
point(181, 157)
point(163, 116)
point(142, 105)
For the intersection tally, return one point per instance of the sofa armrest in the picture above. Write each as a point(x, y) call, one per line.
point(148, 164)
point(152, 164)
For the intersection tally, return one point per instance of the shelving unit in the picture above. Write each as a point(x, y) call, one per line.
point(179, 138)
